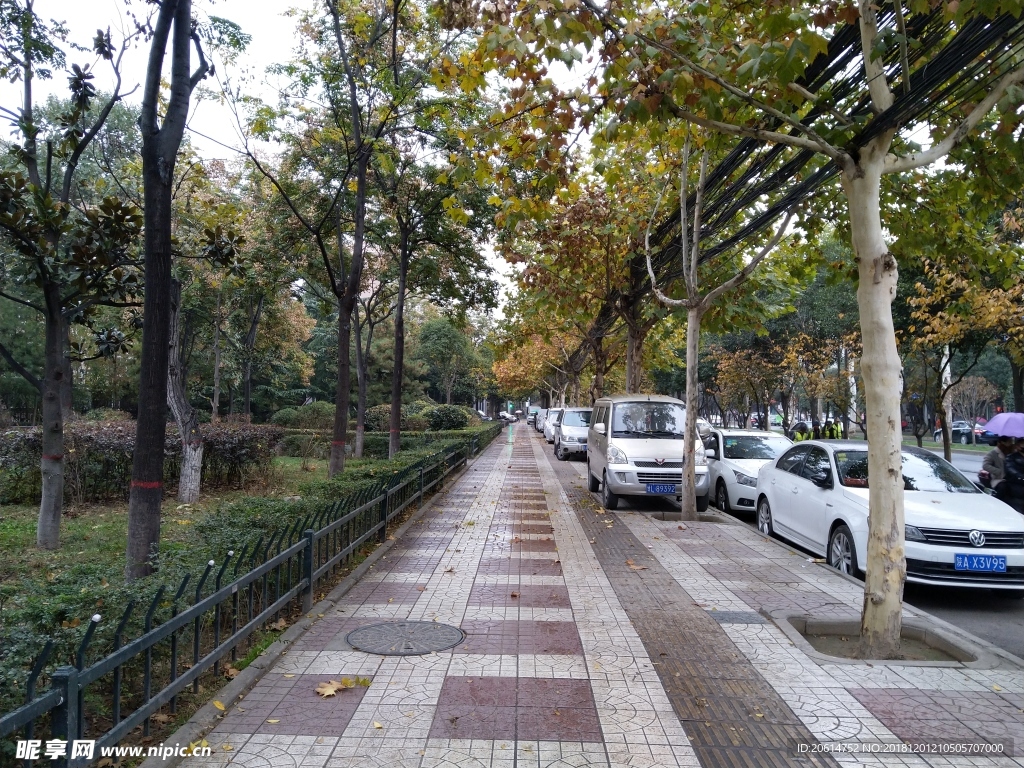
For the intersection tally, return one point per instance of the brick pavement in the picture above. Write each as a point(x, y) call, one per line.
point(575, 657)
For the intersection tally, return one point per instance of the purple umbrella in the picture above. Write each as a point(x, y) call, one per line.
point(1007, 424)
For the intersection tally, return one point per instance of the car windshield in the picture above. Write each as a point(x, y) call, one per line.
point(649, 419)
point(921, 472)
point(576, 419)
point(754, 447)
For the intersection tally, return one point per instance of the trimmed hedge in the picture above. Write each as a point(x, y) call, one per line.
point(442, 417)
point(317, 444)
point(98, 463)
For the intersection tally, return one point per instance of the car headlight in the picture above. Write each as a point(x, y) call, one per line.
point(743, 479)
point(616, 456)
point(567, 439)
point(912, 533)
point(700, 456)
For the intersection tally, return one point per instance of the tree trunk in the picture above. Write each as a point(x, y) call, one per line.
point(185, 415)
point(160, 145)
point(688, 490)
point(882, 372)
point(397, 375)
point(361, 364)
point(346, 305)
point(250, 346)
point(51, 463)
point(635, 334)
point(943, 416)
point(151, 426)
point(215, 400)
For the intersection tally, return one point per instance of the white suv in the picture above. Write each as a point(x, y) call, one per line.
point(635, 448)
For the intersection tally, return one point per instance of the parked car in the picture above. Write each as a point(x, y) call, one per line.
point(816, 495)
point(571, 432)
point(734, 458)
point(538, 423)
point(531, 417)
point(550, 422)
point(960, 432)
point(635, 448)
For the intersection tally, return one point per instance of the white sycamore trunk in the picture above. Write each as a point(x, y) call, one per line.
point(191, 472)
point(883, 385)
point(688, 490)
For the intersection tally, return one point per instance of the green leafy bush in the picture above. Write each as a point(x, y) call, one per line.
point(318, 415)
point(442, 417)
point(378, 418)
point(98, 459)
point(286, 417)
point(417, 407)
point(107, 415)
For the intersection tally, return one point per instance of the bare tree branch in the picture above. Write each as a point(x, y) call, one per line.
point(895, 164)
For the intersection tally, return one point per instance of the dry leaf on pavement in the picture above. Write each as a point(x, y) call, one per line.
point(634, 567)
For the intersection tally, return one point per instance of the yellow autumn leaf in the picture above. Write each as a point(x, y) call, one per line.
point(218, 705)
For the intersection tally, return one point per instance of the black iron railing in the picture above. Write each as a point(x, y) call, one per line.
point(280, 574)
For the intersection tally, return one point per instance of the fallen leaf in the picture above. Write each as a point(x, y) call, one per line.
point(515, 594)
point(328, 689)
point(421, 589)
point(634, 567)
point(758, 715)
point(280, 624)
point(231, 673)
point(104, 763)
point(288, 675)
point(227, 748)
point(160, 717)
point(273, 721)
point(218, 705)
point(996, 688)
point(450, 570)
point(377, 725)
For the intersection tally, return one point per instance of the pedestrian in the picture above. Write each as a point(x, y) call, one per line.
point(816, 430)
point(1011, 490)
point(830, 432)
point(801, 432)
point(993, 468)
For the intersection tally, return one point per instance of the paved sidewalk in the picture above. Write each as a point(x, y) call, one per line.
point(597, 639)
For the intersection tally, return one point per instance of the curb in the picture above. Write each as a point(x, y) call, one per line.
point(206, 717)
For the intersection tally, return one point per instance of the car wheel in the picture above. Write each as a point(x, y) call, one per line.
point(608, 499)
point(963, 440)
point(592, 483)
point(722, 497)
point(561, 453)
point(842, 552)
point(764, 517)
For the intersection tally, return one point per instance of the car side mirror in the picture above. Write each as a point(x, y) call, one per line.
point(822, 479)
point(599, 428)
point(710, 453)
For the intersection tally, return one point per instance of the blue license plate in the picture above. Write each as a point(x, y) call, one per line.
point(660, 488)
point(989, 563)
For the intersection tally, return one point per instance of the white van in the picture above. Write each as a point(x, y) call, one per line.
point(635, 448)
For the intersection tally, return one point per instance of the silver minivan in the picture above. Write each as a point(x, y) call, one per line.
point(635, 448)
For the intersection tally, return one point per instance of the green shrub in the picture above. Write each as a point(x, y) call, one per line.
point(98, 459)
point(417, 407)
point(107, 415)
point(442, 417)
point(318, 415)
point(417, 424)
point(378, 418)
point(286, 417)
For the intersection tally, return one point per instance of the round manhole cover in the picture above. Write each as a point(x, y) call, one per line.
point(405, 638)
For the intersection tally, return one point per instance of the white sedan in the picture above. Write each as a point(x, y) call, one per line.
point(816, 495)
point(739, 455)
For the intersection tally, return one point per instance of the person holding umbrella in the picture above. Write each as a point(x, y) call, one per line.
point(1011, 489)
